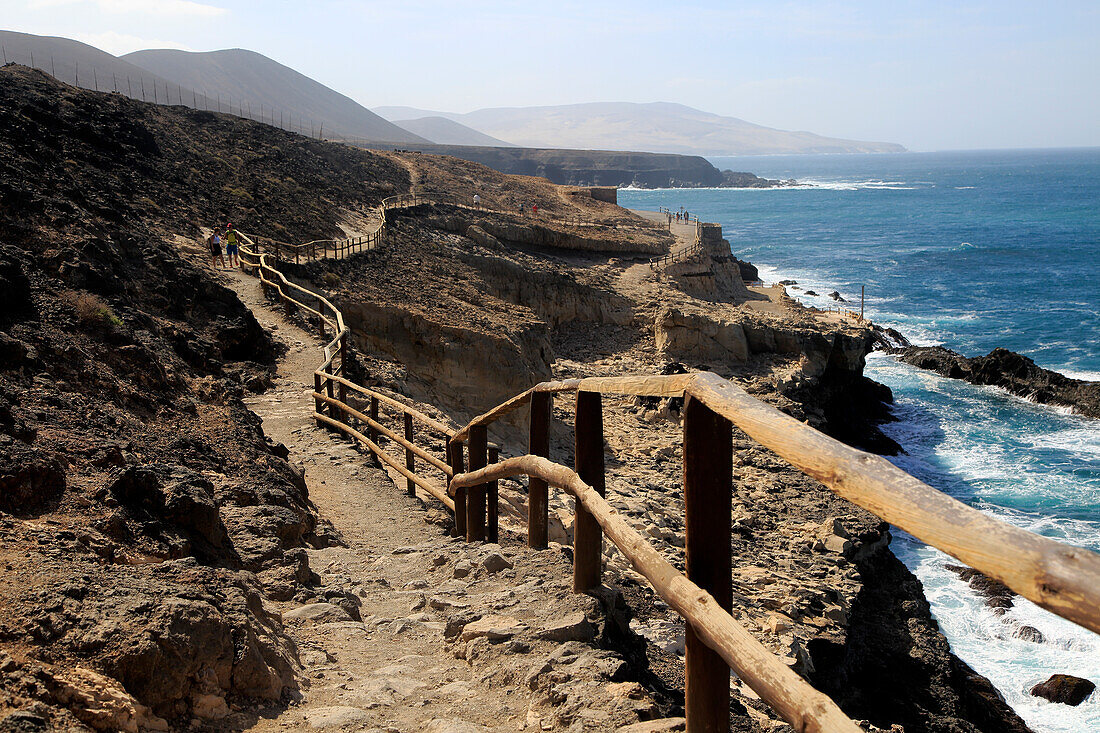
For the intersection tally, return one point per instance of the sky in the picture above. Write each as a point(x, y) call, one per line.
point(931, 75)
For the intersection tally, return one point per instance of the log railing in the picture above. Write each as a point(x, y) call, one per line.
point(1059, 577)
point(343, 248)
point(685, 252)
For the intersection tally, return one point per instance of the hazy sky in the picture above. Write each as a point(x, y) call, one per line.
point(927, 75)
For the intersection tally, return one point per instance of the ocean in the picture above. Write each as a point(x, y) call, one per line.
point(972, 250)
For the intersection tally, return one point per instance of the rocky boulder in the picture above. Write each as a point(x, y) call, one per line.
point(1064, 688)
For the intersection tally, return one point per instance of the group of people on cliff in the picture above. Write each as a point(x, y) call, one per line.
point(231, 240)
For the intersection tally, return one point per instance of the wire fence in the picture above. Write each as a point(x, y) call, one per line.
point(151, 88)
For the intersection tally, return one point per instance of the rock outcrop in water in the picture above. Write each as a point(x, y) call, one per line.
point(1064, 688)
point(1011, 371)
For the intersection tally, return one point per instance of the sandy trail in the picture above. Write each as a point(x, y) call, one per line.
point(397, 669)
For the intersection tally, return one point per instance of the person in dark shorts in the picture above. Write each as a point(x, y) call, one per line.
point(214, 242)
point(232, 239)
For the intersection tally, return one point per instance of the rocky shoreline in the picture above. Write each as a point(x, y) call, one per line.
point(1015, 373)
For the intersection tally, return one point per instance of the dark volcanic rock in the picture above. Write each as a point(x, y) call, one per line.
point(896, 666)
point(178, 503)
point(1011, 371)
point(996, 593)
point(159, 508)
point(1064, 688)
point(737, 179)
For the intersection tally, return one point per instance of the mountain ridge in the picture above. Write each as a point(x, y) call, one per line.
point(660, 127)
point(252, 76)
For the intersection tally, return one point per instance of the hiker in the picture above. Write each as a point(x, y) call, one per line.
point(477, 201)
point(231, 241)
point(522, 210)
point(214, 242)
point(535, 209)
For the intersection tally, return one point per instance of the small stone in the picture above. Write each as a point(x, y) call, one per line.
point(777, 624)
point(338, 716)
point(494, 562)
point(837, 544)
point(318, 613)
point(1029, 633)
point(494, 628)
point(1064, 688)
point(463, 568)
point(664, 725)
point(571, 627)
point(417, 584)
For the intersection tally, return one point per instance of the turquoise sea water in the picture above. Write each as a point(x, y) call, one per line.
point(973, 250)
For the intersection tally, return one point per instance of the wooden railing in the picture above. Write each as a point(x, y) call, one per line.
point(343, 248)
point(677, 255)
point(1059, 577)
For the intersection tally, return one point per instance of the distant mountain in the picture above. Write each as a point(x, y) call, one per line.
point(258, 80)
point(448, 132)
point(658, 127)
point(395, 112)
point(86, 66)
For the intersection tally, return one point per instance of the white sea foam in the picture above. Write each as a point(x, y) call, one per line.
point(988, 643)
point(1084, 376)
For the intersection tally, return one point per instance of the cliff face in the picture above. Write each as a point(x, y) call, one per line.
point(590, 167)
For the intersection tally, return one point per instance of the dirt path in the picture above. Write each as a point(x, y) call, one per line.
point(451, 637)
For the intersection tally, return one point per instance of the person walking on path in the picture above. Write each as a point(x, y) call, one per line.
point(535, 209)
point(232, 239)
point(214, 242)
point(477, 201)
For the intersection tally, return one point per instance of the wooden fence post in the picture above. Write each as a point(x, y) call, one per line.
point(708, 487)
point(321, 318)
point(475, 497)
point(491, 498)
point(538, 505)
point(454, 457)
point(319, 406)
point(410, 457)
point(587, 535)
point(334, 412)
point(373, 413)
point(341, 388)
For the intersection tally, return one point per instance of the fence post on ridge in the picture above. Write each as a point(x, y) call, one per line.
point(318, 406)
point(587, 534)
point(475, 497)
point(708, 488)
point(492, 499)
point(537, 490)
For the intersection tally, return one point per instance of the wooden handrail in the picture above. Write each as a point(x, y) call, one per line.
point(393, 463)
point(793, 698)
point(1061, 578)
point(399, 439)
point(433, 424)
